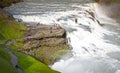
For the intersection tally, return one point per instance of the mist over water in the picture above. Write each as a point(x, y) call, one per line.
point(94, 37)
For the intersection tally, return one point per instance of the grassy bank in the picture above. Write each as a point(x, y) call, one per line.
point(29, 64)
point(5, 64)
point(9, 29)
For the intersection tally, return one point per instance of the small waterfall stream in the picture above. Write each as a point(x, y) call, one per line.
point(93, 36)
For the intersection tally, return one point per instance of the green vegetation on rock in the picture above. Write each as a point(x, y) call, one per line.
point(47, 44)
point(9, 29)
point(52, 47)
point(29, 64)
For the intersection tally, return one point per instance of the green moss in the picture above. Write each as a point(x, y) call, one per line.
point(9, 29)
point(1, 37)
point(29, 64)
point(48, 55)
point(3, 53)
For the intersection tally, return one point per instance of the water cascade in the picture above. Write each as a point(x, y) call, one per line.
point(93, 36)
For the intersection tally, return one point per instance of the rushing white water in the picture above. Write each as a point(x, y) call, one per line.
point(94, 37)
point(90, 47)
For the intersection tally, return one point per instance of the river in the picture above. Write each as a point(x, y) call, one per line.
point(94, 37)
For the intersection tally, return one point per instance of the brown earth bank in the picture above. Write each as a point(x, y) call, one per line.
point(47, 43)
point(5, 3)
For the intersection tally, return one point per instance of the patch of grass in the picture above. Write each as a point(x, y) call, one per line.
point(6, 67)
point(9, 29)
point(1, 37)
point(31, 65)
point(28, 63)
point(3, 53)
point(5, 64)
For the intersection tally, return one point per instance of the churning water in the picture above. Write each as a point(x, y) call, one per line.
point(93, 37)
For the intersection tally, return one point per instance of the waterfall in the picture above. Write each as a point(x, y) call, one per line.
point(89, 45)
point(93, 36)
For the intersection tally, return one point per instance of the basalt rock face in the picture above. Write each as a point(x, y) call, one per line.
point(5, 3)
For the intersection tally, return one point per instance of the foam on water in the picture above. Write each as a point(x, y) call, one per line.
point(90, 48)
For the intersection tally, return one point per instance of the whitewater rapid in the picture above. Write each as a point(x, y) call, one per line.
point(94, 38)
point(91, 46)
